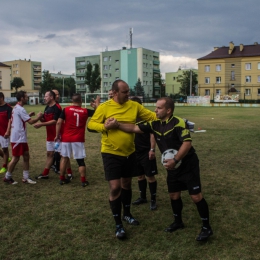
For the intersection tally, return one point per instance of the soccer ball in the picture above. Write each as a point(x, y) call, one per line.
point(169, 154)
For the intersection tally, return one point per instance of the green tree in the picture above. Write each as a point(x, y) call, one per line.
point(47, 82)
point(92, 77)
point(69, 86)
point(184, 79)
point(138, 88)
point(17, 83)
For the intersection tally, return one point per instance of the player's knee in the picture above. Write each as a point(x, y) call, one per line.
point(5, 150)
point(81, 162)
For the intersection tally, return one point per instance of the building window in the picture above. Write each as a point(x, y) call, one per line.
point(218, 80)
point(87, 62)
point(105, 58)
point(173, 78)
point(232, 65)
point(105, 76)
point(258, 65)
point(207, 68)
point(218, 91)
point(105, 67)
point(116, 61)
point(110, 67)
point(258, 78)
point(207, 80)
point(207, 92)
point(248, 66)
point(258, 91)
point(110, 58)
point(248, 91)
point(218, 67)
point(248, 79)
point(232, 75)
point(117, 70)
point(105, 84)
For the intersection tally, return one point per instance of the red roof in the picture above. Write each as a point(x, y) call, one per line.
point(222, 52)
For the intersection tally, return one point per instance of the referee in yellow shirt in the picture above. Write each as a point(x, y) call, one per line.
point(118, 150)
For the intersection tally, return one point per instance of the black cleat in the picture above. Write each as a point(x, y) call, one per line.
point(204, 234)
point(131, 220)
point(174, 226)
point(65, 181)
point(84, 184)
point(120, 232)
point(41, 176)
point(139, 201)
point(153, 205)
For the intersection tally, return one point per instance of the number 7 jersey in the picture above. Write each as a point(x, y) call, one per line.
point(75, 118)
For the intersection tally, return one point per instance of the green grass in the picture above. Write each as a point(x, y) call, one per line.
point(49, 221)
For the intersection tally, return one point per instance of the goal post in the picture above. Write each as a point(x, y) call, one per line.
point(90, 96)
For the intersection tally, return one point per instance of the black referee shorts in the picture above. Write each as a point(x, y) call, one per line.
point(144, 166)
point(117, 166)
point(186, 177)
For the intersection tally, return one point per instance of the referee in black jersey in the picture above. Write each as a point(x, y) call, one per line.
point(171, 132)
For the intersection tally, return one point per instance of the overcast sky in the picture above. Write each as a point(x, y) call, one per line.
point(54, 32)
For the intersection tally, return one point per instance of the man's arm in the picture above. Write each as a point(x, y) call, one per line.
point(33, 121)
point(58, 127)
point(51, 122)
point(112, 123)
point(152, 150)
point(8, 130)
point(184, 149)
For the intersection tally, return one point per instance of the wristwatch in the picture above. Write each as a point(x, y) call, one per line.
point(176, 161)
point(153, 150)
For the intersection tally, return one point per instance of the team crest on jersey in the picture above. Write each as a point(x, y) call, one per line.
point(185, 132)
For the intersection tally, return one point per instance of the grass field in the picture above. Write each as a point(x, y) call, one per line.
point(49, 221)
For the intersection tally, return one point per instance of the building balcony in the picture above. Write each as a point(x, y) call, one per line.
point(80, 66)
point(37, 68)
point(37, 87)
point(156, 70)
point(81, 89)
point(156, 62)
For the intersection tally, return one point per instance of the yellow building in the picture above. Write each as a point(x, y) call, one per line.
point(5, 79)
point(230, 71)
point(30, 72)
point(171, 80)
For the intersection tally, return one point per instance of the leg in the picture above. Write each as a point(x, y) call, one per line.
point(142, 184)
point(8, 175)
point(5, 154)
point(63, 165)
point(26, 177)
point(82, 172)
point(203, 210)
point(153, 189)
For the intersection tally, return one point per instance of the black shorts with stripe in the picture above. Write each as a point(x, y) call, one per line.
point(186, 177)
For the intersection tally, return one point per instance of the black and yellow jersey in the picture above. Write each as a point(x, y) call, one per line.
point(115, 141)
point(169, 134)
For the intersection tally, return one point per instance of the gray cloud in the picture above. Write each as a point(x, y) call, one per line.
point(77, 27)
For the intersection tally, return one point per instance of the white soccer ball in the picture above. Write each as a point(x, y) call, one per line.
point(169, 154)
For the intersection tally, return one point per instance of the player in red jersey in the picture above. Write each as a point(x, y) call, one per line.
point(19, 138)
point(5, 128)
point(74, 119)
point(49, 119)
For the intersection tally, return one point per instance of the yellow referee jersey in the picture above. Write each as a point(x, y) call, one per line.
point(115, 141)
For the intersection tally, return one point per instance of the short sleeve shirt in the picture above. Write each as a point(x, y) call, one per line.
point(5, 116)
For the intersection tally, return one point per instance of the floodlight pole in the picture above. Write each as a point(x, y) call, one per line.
point(63, 89)
point(190, 82)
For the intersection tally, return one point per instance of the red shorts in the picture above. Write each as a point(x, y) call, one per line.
point(18, 149)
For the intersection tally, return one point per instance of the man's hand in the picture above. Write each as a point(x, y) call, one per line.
point(111, 123)
point(37, 125)
point(7, 134)
point(169, 164)
point(151, 155)
point(32, 114)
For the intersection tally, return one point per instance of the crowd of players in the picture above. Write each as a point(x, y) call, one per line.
point(124, 153)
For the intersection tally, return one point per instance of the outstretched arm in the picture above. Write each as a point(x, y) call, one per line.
point(112, 123)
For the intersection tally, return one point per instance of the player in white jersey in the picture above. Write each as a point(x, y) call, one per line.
point(19, 138)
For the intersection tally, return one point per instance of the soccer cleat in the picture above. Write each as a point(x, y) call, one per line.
point(10, 181)
point(120, 232)
point(65, 181)
point(153, 205)
point(29, 180)
point(70, 177)
point(41, 176)
point(174, 226)
point(84, 184)
point(57, 171)
point(204, 234)
point(3, 170)
point(53, 167)
point(139, 201)
point(131, 220)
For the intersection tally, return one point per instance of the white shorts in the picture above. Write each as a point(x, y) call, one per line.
point(50, 147)
point(4, 142)
point(78, 150)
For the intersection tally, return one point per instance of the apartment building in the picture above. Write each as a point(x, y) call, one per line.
point(30, 72)
point(125, 64)
point(171, 80)
point(230, 70)
point(5, 79)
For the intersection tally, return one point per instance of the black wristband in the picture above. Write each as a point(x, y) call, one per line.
point(176, 161)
